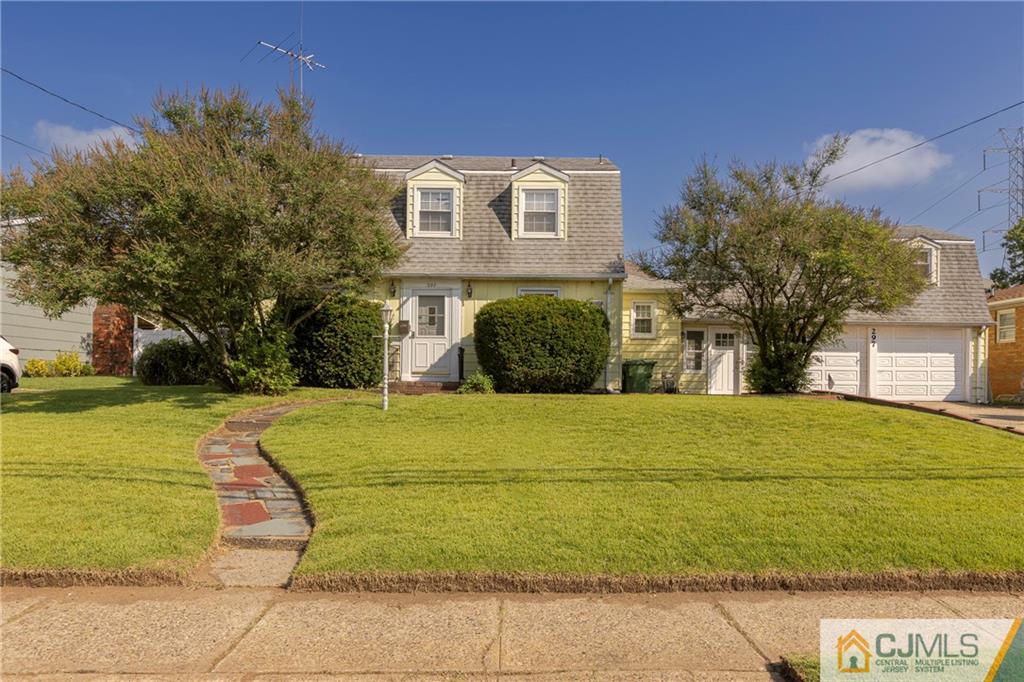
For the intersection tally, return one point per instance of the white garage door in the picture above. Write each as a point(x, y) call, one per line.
point(838, 367)
point(920, 363)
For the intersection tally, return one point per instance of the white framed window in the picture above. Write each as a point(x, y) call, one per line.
point(724, 340)
point(539, 213)
point(1006, 326)
point(642, 324)
point(925, 261)
point(540, 291)
point(693, 350)
point(435, 212)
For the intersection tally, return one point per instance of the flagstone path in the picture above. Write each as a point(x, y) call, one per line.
point(264, 525)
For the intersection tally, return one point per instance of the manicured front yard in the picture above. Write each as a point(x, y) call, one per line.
point(654, 485)
point(101, 473)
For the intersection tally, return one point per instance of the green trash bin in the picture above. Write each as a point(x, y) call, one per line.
point(636, 376)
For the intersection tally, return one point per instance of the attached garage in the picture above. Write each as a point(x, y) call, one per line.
point(920, 363)
point(838, 367)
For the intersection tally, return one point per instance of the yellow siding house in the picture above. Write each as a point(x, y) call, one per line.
point(478, 229)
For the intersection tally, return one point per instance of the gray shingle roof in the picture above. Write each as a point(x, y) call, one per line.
point(959, 297)
point(491, 163)
point(593, 247)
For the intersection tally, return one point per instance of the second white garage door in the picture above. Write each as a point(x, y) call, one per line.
point(920, 363)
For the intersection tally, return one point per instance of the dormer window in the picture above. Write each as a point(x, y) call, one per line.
point(926, 260)
point(539, 197)
point(436, 213)
point(540, 212)
point(924, 263)
point(433, 201)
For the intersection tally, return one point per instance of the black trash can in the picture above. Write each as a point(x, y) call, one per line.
point(636, 376)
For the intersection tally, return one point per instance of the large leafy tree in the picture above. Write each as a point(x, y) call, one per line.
point(761, 246)
point(224, 215)
point(1013, 273)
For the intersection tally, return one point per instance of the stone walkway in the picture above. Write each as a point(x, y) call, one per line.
point(263, 524)
point(244, 633)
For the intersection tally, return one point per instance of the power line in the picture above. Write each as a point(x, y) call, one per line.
point(971, 215)
point(26, 146)
point(955, 190)
point(923, 142)
point(68, 101)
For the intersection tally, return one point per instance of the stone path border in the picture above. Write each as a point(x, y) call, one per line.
point(258, 507)
point(263, 514)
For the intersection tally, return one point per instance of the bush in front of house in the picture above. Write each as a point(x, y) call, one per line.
point(477, 382)
point(335, 346)
point(66, 364)
point(541, 344)
point(263, 365)
point(37, 367)
point(171, 362)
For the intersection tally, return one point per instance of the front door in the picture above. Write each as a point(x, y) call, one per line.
point(722, 361)
point(431, 335)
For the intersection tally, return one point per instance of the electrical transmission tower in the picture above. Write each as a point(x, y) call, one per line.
point(1013, 147)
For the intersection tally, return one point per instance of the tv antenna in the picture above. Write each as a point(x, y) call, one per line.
point(297, 57)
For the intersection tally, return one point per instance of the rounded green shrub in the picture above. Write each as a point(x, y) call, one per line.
point(335, 346)
point(171, 362)
point(477, 382)
point(541, 344)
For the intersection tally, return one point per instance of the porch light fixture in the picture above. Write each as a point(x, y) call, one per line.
point(469, 290)
point(385, 317)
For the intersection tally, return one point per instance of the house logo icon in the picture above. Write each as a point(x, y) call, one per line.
point(854, 656)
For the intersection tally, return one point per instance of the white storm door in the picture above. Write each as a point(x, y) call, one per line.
point(431, 341)
point(722, 348)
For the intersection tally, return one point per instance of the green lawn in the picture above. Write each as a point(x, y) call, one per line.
point(101, 473)
point(656, 485)
point(806, 668)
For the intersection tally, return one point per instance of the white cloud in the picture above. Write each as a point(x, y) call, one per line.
point(870, 144)
point(67, 137)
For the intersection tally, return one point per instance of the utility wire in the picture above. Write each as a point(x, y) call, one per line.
point(971, 215)
point(26, 146)
point(956, 189)
point(923, 142)
point(68, 101)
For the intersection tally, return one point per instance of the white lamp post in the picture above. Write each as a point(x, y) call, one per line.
point(385, 316)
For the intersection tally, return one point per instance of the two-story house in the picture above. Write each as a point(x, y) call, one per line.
point(933, 349)
point(478, 229)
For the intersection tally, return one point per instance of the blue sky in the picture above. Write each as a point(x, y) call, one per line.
point(652, 86)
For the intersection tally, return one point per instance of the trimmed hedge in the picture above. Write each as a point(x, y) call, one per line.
point(171, 362)
point(335, 346)
point(542, 344)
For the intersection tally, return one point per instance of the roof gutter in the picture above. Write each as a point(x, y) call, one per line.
point(512, 275)
point(1006, 302)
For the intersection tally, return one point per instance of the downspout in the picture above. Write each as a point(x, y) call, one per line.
point(608, 312)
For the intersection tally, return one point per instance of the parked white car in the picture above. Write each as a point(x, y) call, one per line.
point(10, 368)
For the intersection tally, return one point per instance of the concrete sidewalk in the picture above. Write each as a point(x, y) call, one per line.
point(239, 633)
